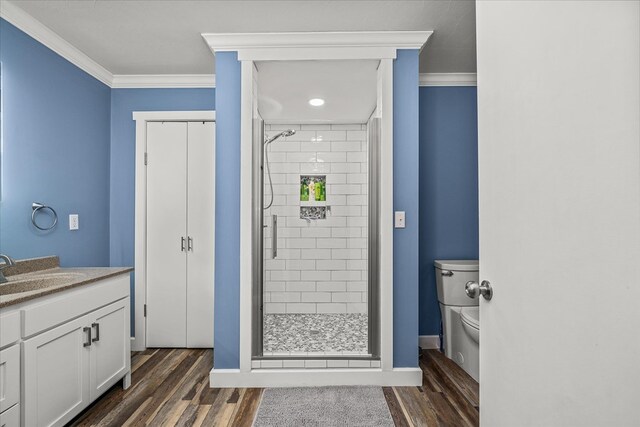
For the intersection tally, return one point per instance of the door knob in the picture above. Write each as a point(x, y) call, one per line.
point(473, 289)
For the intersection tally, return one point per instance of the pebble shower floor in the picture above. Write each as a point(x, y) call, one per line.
point(315, 333)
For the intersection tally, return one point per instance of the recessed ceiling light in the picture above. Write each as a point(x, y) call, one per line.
point(316, 102)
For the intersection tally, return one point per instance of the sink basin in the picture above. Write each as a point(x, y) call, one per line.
point(39, 281)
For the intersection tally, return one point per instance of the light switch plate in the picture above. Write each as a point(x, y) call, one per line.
point(74, 222)
point(399, 219)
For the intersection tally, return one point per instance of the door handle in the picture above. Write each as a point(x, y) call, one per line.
point(97, 337)
point(182, 244)
point(87, 343)
point(190, 244)
point(473, 290)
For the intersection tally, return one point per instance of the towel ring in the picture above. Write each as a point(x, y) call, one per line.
point(39, 206)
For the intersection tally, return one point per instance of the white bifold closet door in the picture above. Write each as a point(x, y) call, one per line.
point(180, 234)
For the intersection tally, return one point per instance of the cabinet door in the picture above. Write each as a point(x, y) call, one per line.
point(56, 374)
point(9, 377)
point(10, 417)
point(200, 224)
point(110, 359)
point(166, 227)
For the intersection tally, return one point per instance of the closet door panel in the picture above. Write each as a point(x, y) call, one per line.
point(166, 226)
point(200, 228)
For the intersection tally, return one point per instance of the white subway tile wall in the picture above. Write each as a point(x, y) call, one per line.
point(321, 265)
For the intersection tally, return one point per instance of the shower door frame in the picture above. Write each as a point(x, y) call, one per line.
point(373, 250)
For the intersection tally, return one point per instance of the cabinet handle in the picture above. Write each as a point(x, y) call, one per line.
point(190, 244)
point(97, 326)
point(182, 244)
point(88, 331)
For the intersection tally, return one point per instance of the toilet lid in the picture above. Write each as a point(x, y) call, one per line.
point(471, 316)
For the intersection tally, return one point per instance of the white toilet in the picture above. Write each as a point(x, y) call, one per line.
point(460, 314)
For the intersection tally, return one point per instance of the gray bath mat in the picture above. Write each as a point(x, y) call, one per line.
point(323, 407)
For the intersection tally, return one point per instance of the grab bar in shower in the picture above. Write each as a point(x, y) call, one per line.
point(274, 236)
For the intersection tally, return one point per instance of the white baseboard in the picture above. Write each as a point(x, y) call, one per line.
point(137, 345)
point(429, 341)
point(227, 378)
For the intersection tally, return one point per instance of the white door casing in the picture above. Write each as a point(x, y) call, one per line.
point(139, 342)
point(559, 162)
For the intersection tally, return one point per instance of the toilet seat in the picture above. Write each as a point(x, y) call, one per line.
point(471, 316)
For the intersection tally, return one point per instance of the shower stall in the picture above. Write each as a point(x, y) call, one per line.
point(315, 210)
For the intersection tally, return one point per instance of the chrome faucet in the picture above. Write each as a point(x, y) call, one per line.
point(8, 262)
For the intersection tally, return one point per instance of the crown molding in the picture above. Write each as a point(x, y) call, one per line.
point(121, 81)
point(316, 45)
point(141, 81)
point(448, 79)
point(43, 34)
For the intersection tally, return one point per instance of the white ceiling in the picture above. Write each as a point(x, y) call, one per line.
point(348, 88)
point(163, 37)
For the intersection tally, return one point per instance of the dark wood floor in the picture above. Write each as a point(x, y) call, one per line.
point(171, 387)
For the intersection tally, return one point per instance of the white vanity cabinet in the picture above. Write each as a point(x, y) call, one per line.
point(9, 369)
point(73, 346)
point(56, 374)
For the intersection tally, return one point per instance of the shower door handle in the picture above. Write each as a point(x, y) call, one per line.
point(274, 236)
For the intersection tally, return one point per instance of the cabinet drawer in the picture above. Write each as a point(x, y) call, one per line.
point(74, 303)
point(9, 328)
point(10, 417)
point(9, 377)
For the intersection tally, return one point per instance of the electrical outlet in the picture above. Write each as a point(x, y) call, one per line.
point(74, 222)
point(399, 219)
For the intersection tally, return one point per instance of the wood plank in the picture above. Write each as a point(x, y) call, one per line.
point(236, 405)
point(463, 381)
point(454, 395)
point(203, 410)
point(397, 413)
point(195, 373)
point(247, 408)
point(145, 388)
point(174, 415)
point(213, 415)
point(166, 388)
point(420, 410)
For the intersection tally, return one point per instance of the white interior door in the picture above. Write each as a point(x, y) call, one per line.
point(200, 225)
point(166, 234)
point(559, 157)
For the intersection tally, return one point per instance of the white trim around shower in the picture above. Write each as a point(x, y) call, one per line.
point(247, 374)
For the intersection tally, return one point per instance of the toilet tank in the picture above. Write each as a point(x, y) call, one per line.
point(451, 276)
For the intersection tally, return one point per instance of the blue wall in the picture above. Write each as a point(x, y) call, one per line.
point(55, 151)
point(406, 188)
point(448, 188)
point(227, 264)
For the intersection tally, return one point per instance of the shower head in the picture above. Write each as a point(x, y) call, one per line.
point(287, 132)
